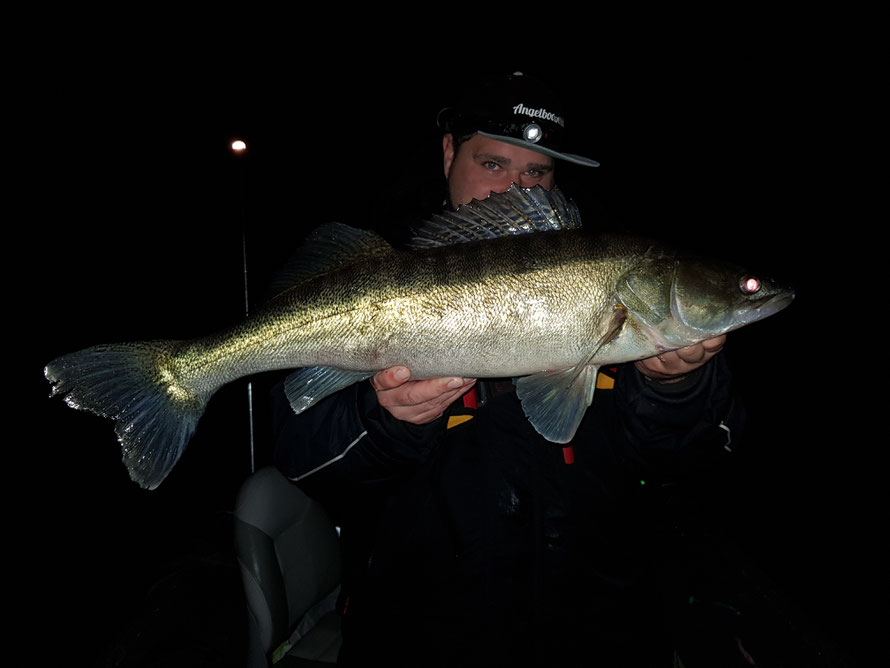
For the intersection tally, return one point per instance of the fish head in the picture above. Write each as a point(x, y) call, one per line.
point(681, 301)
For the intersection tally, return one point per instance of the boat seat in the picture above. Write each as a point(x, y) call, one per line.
point(288, 552)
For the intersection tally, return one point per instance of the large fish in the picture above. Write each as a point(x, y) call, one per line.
point(506, 287)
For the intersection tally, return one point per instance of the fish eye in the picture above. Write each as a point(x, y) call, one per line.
point(750, 285)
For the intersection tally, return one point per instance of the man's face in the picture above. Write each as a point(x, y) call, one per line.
point(482, 166)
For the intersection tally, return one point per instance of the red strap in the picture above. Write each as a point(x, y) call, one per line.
point(470, 399)
point(568, 454)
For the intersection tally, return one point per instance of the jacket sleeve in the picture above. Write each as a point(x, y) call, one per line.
point(686, 442)
point(689, 442)
point(311, 447)
point(663, 419)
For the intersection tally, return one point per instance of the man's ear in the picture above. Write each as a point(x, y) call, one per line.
point(447, 152)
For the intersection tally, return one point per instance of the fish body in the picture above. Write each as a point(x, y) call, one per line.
point(505, 307)
point(508, 287)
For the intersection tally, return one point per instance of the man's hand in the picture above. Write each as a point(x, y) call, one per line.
point(417, 401)
point(672, 366)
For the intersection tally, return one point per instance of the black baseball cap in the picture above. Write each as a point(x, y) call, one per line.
point(519, 110)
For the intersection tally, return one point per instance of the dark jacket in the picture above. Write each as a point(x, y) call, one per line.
point(481, 543)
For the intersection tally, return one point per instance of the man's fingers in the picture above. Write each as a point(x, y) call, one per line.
point(714, 345)
point(421, 393)
point(390, 378)
point(434, 390)
point(417, 401)
point(675, 364)
point(701, 351)
point(427, 411)
point(691, 355)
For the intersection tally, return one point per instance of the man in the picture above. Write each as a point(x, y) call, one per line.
point(488, 161)
point(470, 540)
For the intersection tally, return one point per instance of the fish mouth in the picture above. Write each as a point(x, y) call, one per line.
point(765, 308)
point(682, 332)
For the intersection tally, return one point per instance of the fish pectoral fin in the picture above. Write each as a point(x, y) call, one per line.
point(308, 386)
point(613, 328)
point(555, 401)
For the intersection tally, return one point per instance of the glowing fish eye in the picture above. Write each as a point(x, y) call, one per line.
point(750, 285)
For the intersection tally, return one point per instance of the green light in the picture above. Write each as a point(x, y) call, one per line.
point(642, 482)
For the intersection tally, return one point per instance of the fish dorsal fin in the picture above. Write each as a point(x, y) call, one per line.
point(327, 248)
point(516, 211)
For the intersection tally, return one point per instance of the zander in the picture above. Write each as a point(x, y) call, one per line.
point(506, 287)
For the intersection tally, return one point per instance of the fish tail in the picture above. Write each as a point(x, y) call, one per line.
point(132, 384)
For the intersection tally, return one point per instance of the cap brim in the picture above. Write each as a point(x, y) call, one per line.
point(569, 157)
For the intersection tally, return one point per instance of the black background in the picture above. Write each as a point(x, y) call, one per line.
point(134, 216)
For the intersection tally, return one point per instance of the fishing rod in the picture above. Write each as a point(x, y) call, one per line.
point(239, 150)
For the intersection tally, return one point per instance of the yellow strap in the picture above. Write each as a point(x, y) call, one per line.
point(604, 382)
point(455, 420)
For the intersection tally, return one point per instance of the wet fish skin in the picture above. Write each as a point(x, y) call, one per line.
point(500, 299)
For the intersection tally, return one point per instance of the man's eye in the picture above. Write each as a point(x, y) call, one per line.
point(491, 166)
point(537, 173)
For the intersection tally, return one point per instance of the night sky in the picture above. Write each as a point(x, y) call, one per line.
point(137, 213)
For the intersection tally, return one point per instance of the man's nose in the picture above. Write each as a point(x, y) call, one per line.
point(525, 180)
point(509, 178)
point(522, 181)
